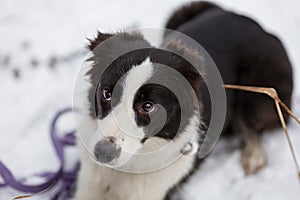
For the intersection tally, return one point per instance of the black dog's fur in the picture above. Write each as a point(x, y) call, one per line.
point(245, 55)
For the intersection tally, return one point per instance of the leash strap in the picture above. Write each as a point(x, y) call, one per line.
point(51, 178)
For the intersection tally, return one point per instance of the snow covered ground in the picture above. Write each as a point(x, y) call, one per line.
point(42, 48)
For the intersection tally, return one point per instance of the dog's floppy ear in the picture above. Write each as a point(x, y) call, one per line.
point(100, 37)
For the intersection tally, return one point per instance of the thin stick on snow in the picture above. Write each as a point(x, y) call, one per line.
point(278, 102)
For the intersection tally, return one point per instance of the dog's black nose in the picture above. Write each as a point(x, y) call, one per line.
point(106, 150)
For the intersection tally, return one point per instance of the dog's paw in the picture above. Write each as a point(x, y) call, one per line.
point(253, 159)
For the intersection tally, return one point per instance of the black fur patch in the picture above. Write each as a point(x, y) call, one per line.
point(93, 43)
point(164, 97)
point(187, 12)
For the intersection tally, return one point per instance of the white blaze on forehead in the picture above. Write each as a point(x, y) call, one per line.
point(133, 80)
point(136, 77)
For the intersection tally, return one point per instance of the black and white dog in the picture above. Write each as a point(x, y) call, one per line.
point(245, 55)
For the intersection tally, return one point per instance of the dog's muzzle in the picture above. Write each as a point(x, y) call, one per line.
point(106, 150)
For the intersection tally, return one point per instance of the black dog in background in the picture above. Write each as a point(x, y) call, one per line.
point(245, 55)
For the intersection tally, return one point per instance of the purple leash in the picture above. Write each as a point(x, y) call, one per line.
point(67, 178)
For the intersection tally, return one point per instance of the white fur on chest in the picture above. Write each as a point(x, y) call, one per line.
point(100, 183)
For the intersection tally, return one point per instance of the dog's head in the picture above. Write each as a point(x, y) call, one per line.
point(143, 99)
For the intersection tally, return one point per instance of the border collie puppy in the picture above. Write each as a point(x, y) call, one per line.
point(245, 55)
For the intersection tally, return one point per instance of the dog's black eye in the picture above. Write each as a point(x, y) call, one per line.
point(148, 107)
point(106, 94)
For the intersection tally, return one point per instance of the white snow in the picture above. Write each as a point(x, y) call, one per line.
point(40, 30)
